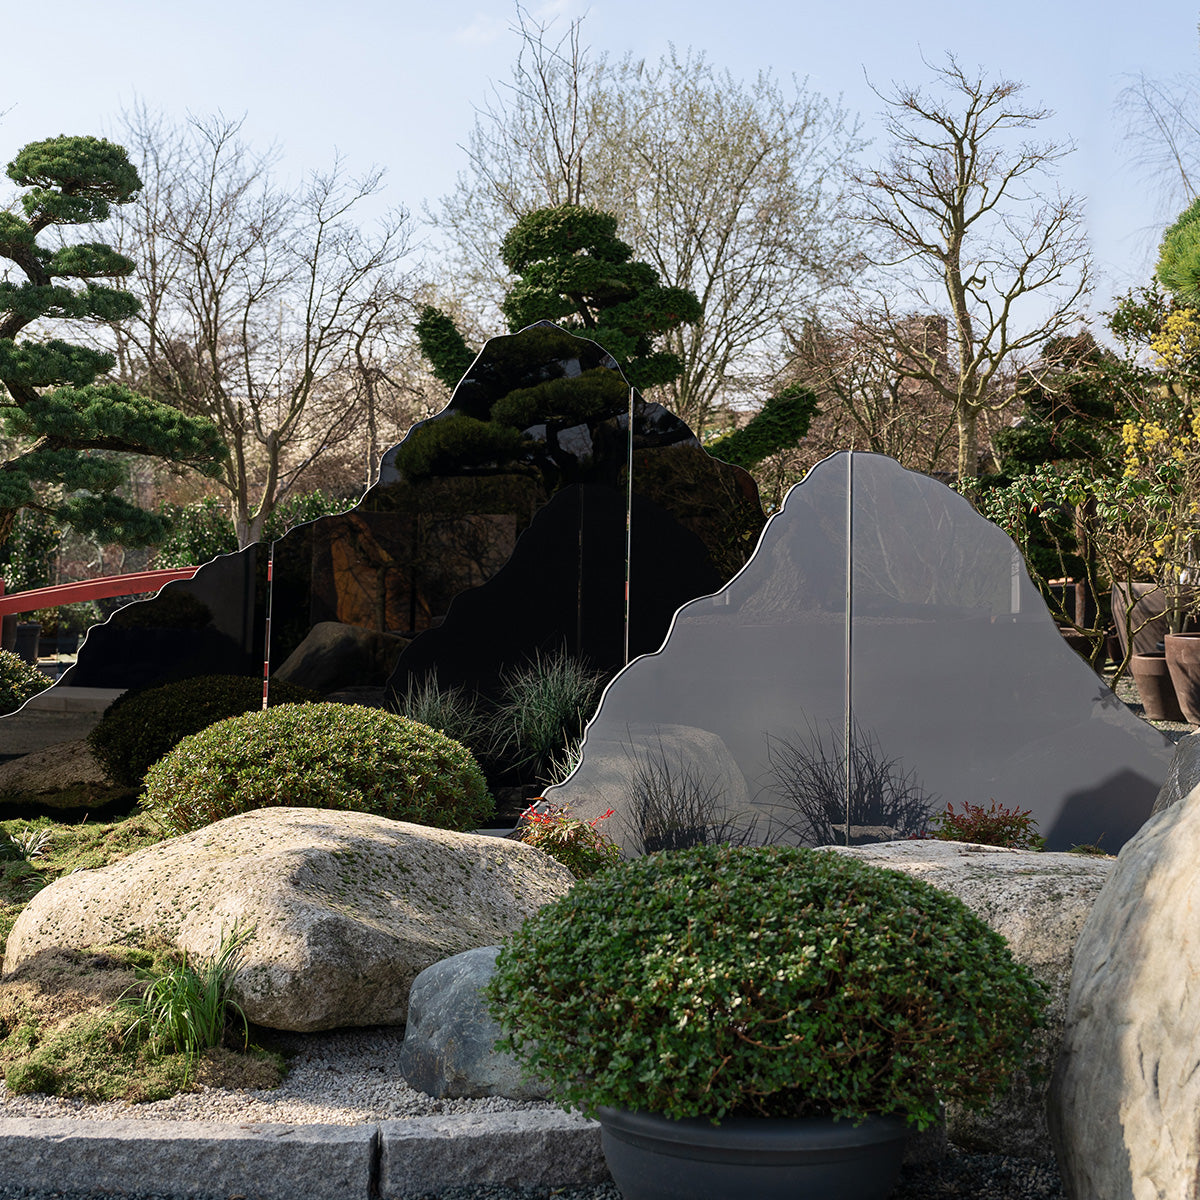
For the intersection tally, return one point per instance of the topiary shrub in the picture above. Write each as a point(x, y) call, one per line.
point(765, 980)
point(596, 393)
point(18, 681)
point(139, 727)
point(318, 756)
point(450, 444)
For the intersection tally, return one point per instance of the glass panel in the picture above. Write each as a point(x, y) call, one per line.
point(497, 532)
point(963, 689)
point(684, 740)
point(959, 687)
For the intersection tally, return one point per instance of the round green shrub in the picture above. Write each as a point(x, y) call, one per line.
point(318, 756)
point(766, 980)
point(18, 681)
point(139, 727)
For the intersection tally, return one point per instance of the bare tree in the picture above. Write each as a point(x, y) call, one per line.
point(1162, 129)
point(869, 398)
point(959, 226)
point(257, 300)
point(729, 189)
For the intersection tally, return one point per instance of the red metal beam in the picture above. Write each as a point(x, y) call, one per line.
point(90, 589)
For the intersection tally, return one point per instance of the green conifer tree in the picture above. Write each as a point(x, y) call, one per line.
point(58, 425)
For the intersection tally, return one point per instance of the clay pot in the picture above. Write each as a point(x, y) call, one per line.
point(1183, 661)
point(1154, 685)
point(1078, 642)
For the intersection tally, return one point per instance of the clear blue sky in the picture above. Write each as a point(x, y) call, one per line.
point(396, 82)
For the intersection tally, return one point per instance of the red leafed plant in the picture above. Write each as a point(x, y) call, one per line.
point(992, 826)
point(578, 845)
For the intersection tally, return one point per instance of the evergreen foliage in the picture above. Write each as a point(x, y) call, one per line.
point(340, 756)
point(767, 981)
point(1179, 257)
point(778, 425)
point(443, 345)
point(18, 681)
point(576, 272)
point(450, 443)
point(139, 727)
point(61, 421)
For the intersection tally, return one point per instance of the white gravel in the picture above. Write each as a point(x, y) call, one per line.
point(347, 1077)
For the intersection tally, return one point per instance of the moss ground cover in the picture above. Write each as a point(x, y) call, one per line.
point(62, 1030)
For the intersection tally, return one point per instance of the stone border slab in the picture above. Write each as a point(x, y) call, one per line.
point(189, 1158)
point(538, 1148)
point(268, 1161)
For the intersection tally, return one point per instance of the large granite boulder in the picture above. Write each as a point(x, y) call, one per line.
point(335, 655)
point(449, 1046)
point(347, 908)
point(1182, 775)
point(42, 775)
point(1126, 1089)
point(1038, 902)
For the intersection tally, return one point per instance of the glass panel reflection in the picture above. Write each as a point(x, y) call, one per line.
point(934, 660)
point(497, 533)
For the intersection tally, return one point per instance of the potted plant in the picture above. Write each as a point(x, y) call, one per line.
point(761, 1021)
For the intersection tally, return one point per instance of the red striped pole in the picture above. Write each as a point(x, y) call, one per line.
point(267, 635)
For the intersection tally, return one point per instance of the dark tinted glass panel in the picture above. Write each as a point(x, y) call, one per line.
point(498, 532)
point(933, 659)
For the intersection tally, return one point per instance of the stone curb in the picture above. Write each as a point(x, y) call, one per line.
point(259, 1161)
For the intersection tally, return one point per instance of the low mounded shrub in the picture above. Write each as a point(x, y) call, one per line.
point(139, 727)
point(594, 394)
point(995, 825)
point(339, 756)
point(449, 444)
point(18, 681)
point(765, 980)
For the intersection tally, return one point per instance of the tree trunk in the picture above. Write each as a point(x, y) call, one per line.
point(968, 442)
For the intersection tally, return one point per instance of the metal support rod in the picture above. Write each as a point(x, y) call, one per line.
point(848, 729)
point(267, 634)
point(628, 521)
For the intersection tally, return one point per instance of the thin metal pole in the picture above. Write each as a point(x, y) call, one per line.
point(848, 729)
point(267, 634)
point(628, 522)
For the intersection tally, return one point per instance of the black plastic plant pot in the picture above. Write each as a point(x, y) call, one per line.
point(652, 1157)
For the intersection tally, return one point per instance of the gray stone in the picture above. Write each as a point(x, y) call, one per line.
point(188, 1158)
point(449, 1046)
point(548, 1148)
point(1038, 902)
point(347, 908)
point(1126, 1090)
point(40, 775)
point(335, 656)
point(1182, 775)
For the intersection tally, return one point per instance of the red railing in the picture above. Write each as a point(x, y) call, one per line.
point(90, 589)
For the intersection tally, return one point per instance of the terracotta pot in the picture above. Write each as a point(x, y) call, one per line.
point(1183, 661)
point(1078, 642)
point(1157, 692)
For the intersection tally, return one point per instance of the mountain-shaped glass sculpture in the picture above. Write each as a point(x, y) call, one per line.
point(884, 653)
point(499, 531)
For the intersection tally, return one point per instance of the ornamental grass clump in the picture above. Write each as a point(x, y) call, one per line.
point(766, 980)
point(340, 756)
